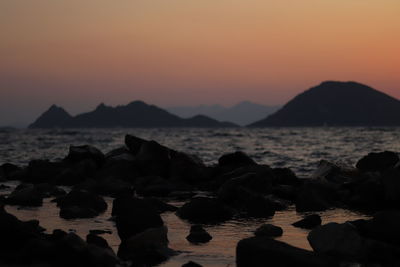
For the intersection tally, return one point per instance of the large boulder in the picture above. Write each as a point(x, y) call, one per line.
point(198, 235)
point(80, 204)
point(26, 196)
point(285, 176)
point(105, 186)
point(42, 171)
point(338, 240)
point(153, 186)
point(205, 210)
point(391, 187)
point(148, 248)
point(384, 226)
point(263, 251)
point(316, 195)
point(80, 153)
point(7, 171)
point(378, 161)
point(133, 143)
point(134, 216)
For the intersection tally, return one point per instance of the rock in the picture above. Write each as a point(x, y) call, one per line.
point(100, 232)
point(42, 171)
point(80, 204)
point(149, 247)
point(384, 226)
point(334, 172)
point(256, 205)
point(134, 143)
point(269, 230)
point(7, 170)
point(48, 190)
point(119, 154)
point(287, 192)
point(338, 240)
point(315, 195)
point(191, 264)
point(153, 186)
point(391, 187)
point(160, 205)
point(97, 240)
point(285, 176)
point(134, 216)
point(187, 168)
point(235, 159)
point(309, 222)
point(80, 153)
point(27, 196)
point(204, 210)
point(106, 186)
point(378, 161)
point(263, 251)
point(367, 194)
point(198, 235)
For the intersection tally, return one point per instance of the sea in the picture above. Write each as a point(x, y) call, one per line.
point(299, 149)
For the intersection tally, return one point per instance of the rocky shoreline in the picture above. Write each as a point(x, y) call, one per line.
point(140, 173)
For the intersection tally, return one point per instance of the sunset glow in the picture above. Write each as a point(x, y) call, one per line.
point(175, 52)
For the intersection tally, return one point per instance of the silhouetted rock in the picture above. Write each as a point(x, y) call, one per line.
point(27, 196)
point(263, 251)
point(378, 161)
point(309, 222)
point(268, 230)
point(7, 170)
point(338, 240)
point(134, 216)
point(135, 114)
point(149, 247)
point(198, 235)
point(384, 226)
point(315, 195)
point(236, 159)
point(337, 104)
point(97, 240)
point(80, 153)
point(80, 204)
point(204, 210)
point(285, 176)
point(106, 186)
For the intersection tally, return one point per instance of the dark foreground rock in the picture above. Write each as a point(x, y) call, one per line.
point(268, 230)
point(198, 235)
point(264, 251)
point(309, 222)
point(205, 210)
point(191, 264)
point(378, 161)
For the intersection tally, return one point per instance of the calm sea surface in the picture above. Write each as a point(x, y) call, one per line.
point(297, 148)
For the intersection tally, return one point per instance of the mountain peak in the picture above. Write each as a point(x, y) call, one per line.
point(54, 117)
point(338, 104)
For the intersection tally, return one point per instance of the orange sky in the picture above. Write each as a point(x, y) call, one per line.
point(178, 52)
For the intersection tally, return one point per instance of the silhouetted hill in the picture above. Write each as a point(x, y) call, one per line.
point(54, 117)
point(337, 104)
point(136, 114)
point(242, 113)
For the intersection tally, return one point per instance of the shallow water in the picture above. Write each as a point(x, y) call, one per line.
point(297, 148)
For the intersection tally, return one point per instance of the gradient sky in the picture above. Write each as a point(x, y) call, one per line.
point(78, 53)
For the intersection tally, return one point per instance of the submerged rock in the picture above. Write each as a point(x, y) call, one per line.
point(309, 222)
point(198, 235)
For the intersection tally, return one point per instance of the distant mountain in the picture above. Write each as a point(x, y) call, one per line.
point(135, 114)
point(242, 113)
point(337, 104)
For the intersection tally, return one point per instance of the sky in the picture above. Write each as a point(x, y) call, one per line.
point(79, 53)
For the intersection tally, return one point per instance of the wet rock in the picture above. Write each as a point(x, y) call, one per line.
point(309, 222)
point(391, 187)
point(256, 205)
point(204, 210)
point(263, 251)
point(160, 205)
point(191, 264)
point(235, 159)
point(338, 240)
point(134, 216)
point(48, 190)
point(80, 204)
point(287, 192)
point(27, 196)
point(149, 247)
point(42, 171)
point(100, 232)
point(378, 161)
point(80, 153)
point(269, 230)
point(384, 226)
point(316, 196)
point(97, 240)
point(187, 168)
point(198, 235)
point(119, 154)
point(367, 194)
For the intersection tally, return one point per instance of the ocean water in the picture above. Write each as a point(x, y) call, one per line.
point(297, 148)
